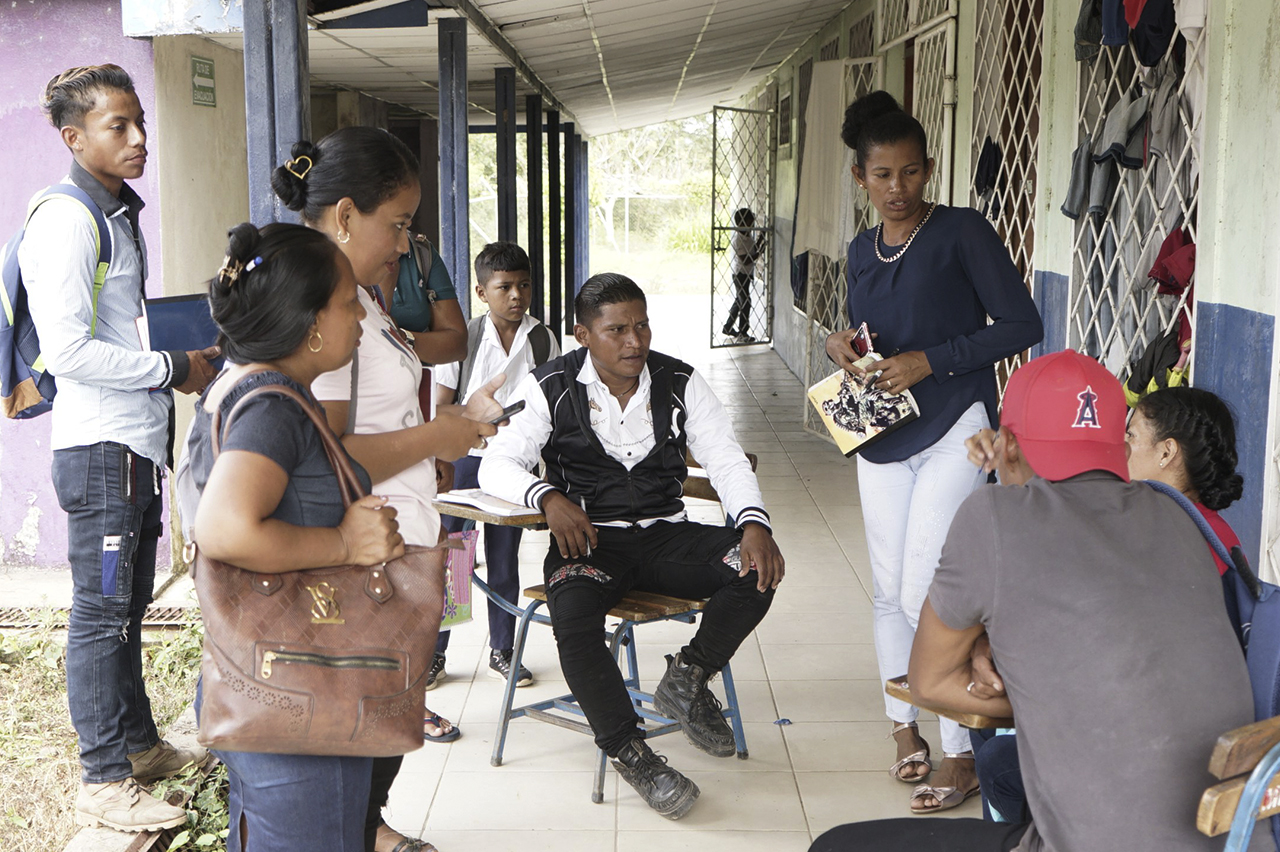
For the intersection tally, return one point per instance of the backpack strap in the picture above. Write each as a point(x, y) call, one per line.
point(475, 331)
point(1202, 523)
point(540, 342)
point(101, 236)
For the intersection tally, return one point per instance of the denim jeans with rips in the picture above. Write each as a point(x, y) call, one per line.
point(112, 499)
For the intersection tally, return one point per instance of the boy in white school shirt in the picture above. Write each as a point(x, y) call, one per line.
point(505, 340)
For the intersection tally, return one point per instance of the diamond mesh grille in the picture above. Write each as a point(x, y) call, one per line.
point(1006, 110)
point(827, 286)
point(934, 102)
point(742, 169)
point(1114, 309)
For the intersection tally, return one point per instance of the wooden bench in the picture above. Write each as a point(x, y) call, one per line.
point(1246, 762)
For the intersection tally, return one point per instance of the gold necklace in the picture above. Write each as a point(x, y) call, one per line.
point(907, 244)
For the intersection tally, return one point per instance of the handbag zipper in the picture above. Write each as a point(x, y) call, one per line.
point(346, 662)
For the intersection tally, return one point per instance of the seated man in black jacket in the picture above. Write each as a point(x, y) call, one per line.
point(613, 421)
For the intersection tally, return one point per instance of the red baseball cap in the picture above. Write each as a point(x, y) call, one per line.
point(1068, 413)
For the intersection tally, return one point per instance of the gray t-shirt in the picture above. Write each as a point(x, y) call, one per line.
point(274, 426)
point(1107, 623)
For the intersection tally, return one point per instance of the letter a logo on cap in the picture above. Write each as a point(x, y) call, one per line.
point(1087, 413)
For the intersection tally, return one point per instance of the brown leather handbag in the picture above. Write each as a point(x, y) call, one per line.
point(329, 661)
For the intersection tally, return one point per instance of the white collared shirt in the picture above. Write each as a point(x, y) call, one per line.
point(516, 449)
point(492, 359)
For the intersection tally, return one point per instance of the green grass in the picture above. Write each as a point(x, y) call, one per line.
point(38, 745)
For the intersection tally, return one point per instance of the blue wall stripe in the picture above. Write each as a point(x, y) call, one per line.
point(1233, 359)
point(1049, 289)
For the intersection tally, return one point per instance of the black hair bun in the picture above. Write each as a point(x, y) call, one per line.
point(289, 187)
point(864, 112)
point(242, 242)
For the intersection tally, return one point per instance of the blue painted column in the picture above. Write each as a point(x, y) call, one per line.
point(504, 84)
point(571, 281)
point(533, 176)
point(455, 243)
point(555, 211)
point(583, 185)
point(277, 97)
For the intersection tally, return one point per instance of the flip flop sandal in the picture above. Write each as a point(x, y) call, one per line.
point(409, 844)
point(435, 720)
point(921, 756)
point(948, 797)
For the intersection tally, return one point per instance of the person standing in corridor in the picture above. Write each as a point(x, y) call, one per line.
point(112, 438)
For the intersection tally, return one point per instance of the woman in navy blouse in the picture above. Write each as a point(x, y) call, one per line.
point(925, 281)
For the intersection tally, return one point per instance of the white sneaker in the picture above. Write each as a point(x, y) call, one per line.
point(125, 806)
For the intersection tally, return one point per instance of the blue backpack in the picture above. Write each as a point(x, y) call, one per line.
point(1253, 606)
point(26, 388)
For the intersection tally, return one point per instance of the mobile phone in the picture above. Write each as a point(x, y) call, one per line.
point(514, 408)
point(861, 341)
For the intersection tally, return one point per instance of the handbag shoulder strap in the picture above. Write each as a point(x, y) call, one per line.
point(348, 483)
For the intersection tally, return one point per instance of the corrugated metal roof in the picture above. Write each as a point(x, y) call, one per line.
point(614, 64)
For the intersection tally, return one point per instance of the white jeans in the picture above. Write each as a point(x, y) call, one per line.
point(907, 507)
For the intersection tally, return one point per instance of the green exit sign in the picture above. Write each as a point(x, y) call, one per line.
point(202, 87)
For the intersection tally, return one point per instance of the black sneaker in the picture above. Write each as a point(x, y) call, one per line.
point(436, 673)
point(662, 788)
point(500, 667)
point(683, 695)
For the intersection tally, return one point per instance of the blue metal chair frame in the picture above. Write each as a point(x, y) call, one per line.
point(1242, 824)
point(549, 710)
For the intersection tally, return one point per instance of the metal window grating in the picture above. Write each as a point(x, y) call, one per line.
point(741, 174)
point(935, 102)
point(827, 285)
point(1006, 110)
point(1114, 309)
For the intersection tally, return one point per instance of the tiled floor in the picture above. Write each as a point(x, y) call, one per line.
point(811, 661)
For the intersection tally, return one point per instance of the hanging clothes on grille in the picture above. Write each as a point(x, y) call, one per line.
point(1175, 264)
point(1077, 197)
point(1161, 366)
point(1154, 31)
point(986, 177)
point(1115, 32)
point(1088, 32)
point(1124, 135)
point(1164, 111)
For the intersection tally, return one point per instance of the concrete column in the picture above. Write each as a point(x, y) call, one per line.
point(554, 220)
point(455, 243)
point(533, 142)
point(504, 83)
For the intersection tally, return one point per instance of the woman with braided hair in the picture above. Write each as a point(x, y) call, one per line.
point(1186, 437)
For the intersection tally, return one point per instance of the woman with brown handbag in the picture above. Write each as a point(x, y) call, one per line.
point(285, 301)
point(360, 185)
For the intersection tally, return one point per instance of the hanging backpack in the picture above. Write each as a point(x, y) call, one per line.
point(26, 387)
point(1253, 606)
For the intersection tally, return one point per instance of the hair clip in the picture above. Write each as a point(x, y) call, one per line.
point(253, 264)
point(231, 270)
point(300, 176)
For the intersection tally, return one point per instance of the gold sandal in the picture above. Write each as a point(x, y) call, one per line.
point(921, 756)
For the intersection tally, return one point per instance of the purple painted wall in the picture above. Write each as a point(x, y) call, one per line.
point(38, 39)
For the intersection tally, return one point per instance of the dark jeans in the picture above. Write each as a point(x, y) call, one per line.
point(502, 560)
point(920, 834)
point(683, 559)
point(113, 507)
point(297, 802)
point(385, 770)
point(741, 310)
point(995, 759)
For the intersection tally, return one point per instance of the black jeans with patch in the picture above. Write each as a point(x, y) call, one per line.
point(686, 560)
